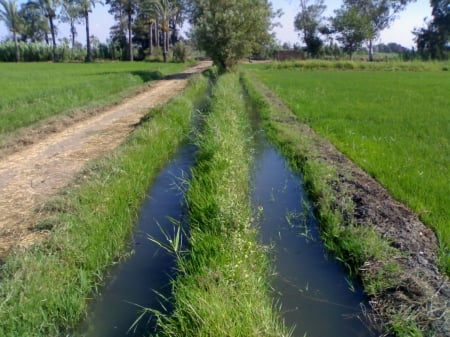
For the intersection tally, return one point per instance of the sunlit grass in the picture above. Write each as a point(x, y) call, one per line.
point(395, 125)
point(30, 92)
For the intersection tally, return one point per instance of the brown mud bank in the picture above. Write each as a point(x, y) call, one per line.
point(41, 161)
point(418, 293)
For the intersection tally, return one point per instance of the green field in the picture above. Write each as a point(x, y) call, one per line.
point(30, 92)
point(394, 124)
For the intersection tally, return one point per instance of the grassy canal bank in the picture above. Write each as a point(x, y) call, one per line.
point(44, 290)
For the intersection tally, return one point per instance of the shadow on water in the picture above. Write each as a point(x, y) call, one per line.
point(316, 294)
point(131, 284)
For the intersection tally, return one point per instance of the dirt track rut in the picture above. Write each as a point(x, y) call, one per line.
point(29, 177)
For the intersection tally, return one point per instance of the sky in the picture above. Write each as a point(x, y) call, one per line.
point(399, 32)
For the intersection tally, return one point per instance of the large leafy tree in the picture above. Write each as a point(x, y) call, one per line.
point(9, 14)
point(308, 22)
point(229, 30)
point(86, 8)
point(433, 40)
point(378, 13)
point(351, 27)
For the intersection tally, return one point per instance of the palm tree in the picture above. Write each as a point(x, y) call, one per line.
point(48, 8)
point(86, 8)
point(165, 10)
point(124, 11)
point(71, 13)
point(9, 13)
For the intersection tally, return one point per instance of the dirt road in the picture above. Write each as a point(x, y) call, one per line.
point(35, 173)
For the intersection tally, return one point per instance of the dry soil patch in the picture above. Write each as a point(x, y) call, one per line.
point(36, 172)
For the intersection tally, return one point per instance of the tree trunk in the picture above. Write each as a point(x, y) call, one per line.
point(16, 45)
point(150, 39)
point(164, 46)
point(370, 50)
point(73, 32)
point(52, 31)
point(157, 33)
point(88, 41)
point(130, 42)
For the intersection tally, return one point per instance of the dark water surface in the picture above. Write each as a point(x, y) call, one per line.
point(315, 292)
point(132, 282)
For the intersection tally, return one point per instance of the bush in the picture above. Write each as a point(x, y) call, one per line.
point(181, 52)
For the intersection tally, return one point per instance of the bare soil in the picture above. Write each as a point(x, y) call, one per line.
point(422, 293)
point(41, 161)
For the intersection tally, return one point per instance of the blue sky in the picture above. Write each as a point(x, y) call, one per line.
point(399, 32)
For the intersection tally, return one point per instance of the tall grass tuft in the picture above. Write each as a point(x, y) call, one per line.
point(222, 288)
point(44, 290)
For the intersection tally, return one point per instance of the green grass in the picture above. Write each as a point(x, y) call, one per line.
point(395, 125)
point(43, 290)
point(222, 288)
point(30, 92)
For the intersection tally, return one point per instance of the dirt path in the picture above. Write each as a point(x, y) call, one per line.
point(32, 175)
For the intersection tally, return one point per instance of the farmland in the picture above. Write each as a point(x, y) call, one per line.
point(394, 124)
point(88, 225)
point(31, 92)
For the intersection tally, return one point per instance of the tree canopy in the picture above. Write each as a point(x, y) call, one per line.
point(308, 22)
point(433, 40)
point(229, 30)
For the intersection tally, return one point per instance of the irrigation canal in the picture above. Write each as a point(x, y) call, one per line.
point(132, 284)
point(315, 293)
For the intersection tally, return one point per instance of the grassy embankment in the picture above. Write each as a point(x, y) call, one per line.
point(222, 288)
point(31, 92)
point(43, 290)
point(393, 124)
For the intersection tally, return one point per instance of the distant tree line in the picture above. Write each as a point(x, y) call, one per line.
point(141, 26)
point(358, 23)
point(226, 30)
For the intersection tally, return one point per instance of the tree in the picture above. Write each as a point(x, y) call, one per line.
point(165, 11)
point(308, 22)
point(71, 13)
point(433, 40)
point(9, 14)
point(49, 8)
point(379, 14)
point(229, 30)
point(125, 9)
point(86, 8)
point(351, 27)
point(35, 25)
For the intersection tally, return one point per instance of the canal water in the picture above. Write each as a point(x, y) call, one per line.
point(133, 284)
point(316, 295)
